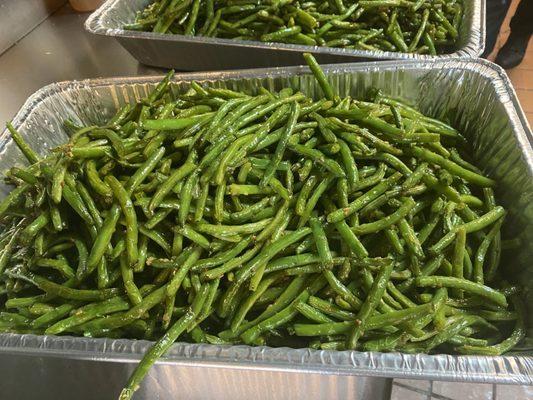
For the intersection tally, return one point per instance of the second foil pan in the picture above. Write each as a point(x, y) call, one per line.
point(191, 53)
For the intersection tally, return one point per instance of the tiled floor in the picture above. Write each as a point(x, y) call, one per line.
point(522, 75)
point(403, 389)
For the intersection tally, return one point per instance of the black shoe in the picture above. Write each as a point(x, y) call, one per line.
point(513, 51)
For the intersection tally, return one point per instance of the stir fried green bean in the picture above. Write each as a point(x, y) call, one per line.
point(407, 26)
point(330, 217)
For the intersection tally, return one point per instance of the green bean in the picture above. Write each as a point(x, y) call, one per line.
point(53, 315)
point(291, 262)
point(394, 240)
point(40, 308)
point(453, 327)
point(274, 248)
point(313, 200)
point(387, 221)
point(351, 239)
point(143, 254)
point(183, 269)
point(132, 232)
point(454, 168)
point(94, 180)
point(285, 298)
point(374, 322)
point(458, 257)
point(360, 202)
point(157, 350)
point(372, 122)
point(57, 264)
point(462, 284)
point(195, 237)
point(390, 159)
point(34, 228)
point(317, 156)
point(169, 184)
point(349, 164)
point(186, 197)
point(312, 313)
point(387, 343)
point(87, 152)
point(87, 313)
point(222, 257)
point(173, 124)
point(223, 230)
point(252, 212)
point(374, 140)
point(156, 237)
point(102, 274)
point(282, 143)
point(411, 240)
point(189, 29)
point(56, 190)
point(104, 237)
point(89, 202)
point(320, 76)
point(73, 198)
point(69, 293)
point(342, 290)
point(321, 242)
point(129, 284)
point(207, 307)
point(30, 155)
point(304, 194)
point(21, 302)
point(482, 251)
point(246, 305)
point(122, 319)
point(247, 190)
point(7, 251)
point(330, 309)
point(282, 316)
point(12, 198)
point(144, 170)
point(469, 227)
point(367, 308)
point(280, 34)
point(158, 217)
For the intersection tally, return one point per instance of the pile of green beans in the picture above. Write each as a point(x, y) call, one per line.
point(269, 218)
point(407, 26)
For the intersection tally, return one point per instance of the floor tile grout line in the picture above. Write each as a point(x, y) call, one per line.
point(430, 390)
point(412, 388)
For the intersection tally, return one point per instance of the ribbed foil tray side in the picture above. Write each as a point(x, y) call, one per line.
point(474, 96)
point(153, 48)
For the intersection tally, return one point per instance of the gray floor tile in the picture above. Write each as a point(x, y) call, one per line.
point(514, 392)
point(463, 391)
point(417, 383)
point(402, 393)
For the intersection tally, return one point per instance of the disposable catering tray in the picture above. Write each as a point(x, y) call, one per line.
point(189, 53)
point(474, 96)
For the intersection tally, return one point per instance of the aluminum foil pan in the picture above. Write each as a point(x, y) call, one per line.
point(189, 53)
point(474, 96)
